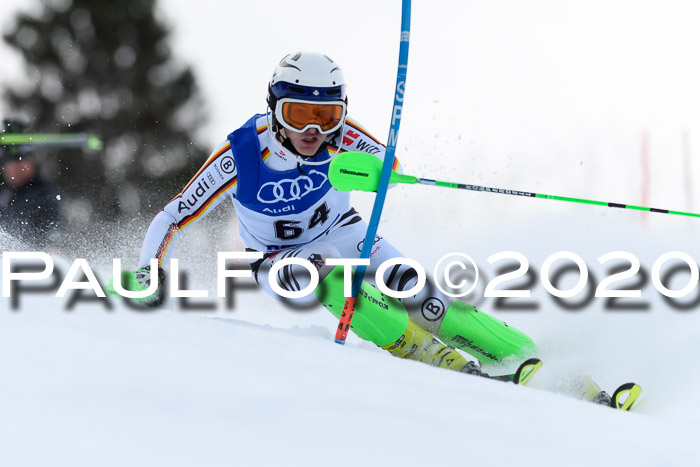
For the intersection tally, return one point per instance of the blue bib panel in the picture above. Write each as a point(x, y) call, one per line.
point(281, 209)
point(274, 193)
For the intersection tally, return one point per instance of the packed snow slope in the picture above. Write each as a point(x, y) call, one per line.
point(550, 96)
point(258, 383)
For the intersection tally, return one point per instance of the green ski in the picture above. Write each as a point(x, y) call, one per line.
point(623, 398)
point(524, 372)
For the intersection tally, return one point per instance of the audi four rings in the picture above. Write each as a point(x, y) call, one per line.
point(287, 190)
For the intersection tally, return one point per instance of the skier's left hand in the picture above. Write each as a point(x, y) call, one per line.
point(138, 281)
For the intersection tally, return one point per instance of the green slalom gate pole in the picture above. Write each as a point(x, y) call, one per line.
point(360, 171)
point(67, 140)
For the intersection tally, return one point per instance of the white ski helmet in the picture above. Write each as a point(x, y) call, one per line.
point(307, 90)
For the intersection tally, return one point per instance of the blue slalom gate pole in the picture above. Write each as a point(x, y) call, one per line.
point(350, 302)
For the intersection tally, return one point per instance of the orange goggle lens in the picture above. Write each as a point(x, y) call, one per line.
point(300, 114)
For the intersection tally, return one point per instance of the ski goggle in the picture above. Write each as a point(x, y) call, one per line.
point(297, 115)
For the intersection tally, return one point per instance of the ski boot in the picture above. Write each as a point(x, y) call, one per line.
point(603, 398)
point(472, 368)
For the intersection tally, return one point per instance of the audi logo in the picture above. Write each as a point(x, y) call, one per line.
point(288, 190)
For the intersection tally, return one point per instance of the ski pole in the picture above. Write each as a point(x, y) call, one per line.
point(66, 140)
point(384, 174)
point(360, 171)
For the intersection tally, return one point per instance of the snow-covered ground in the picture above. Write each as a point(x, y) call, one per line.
point(549, 96)
point(261, 384)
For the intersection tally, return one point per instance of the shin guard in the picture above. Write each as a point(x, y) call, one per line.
point(378, 318)
point(384, 321)
point(488, 339)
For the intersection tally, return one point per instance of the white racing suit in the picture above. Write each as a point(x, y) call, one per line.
point(281, 211)
point(286, 210)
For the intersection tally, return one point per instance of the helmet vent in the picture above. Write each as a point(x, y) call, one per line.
point(297, 89)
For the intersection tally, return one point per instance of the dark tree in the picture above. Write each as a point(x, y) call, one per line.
point(106, 67)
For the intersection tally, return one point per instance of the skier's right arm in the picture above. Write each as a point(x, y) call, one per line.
point(215, 181)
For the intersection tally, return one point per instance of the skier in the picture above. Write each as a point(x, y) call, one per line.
point(275, 171)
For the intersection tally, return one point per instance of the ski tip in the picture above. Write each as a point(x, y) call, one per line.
point(527, 370)
point(625, 396)
point(339, 341)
